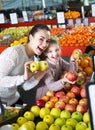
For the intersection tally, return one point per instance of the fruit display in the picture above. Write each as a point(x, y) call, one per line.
point(72, 14)
point(61, 110)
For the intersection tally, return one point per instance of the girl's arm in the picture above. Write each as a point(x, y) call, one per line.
point(52, 84)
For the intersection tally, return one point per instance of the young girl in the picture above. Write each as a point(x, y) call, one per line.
point(14, 67)
point(57, 65)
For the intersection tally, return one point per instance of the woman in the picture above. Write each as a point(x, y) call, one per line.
point(14, 66)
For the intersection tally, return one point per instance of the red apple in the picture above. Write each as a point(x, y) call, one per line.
point(59, 94)
point(70, 94)
point(64, 99)
point(70, 107)
point(75, 90)
point(83, 101)
point(54, 99)
point(45, 98)
point(71, 76)
point(60, 105)
point(40, 103)
point(50, 93)
point(81, 108)
point(73, 101)
point(49, 104)
point(83, 93)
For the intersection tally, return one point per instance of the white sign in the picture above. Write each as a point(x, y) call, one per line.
point(13, 17)
point(78, 22)
point(93, 10)
point(70, 21)
point(2, 20)
point(86, 22)
point(25, 16)
point(60, 17)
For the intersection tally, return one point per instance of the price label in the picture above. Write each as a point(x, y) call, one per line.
point(93, 10)
point(85, 22)
point(70, 21)
point(13, 17)
point(60, 17)
point(78, 22)
point(2, 20)
point(25, 16)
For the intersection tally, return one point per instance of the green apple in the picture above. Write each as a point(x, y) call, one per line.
point(66, 127)
point(88, 128)
point(25, 126)
point(21, 120)
point(71, 122)
point(60, 121)
point(15, 126)
point(65, 114)
point(54, 127)
point(81, 126)
point(31, 123)
point(44, 111)
point(55, 112)
point(43, 65)
point(41, 125)
point(36, 110)
point(29, 115)
point(77, 53)
point(77, 116)
point(34, 66)
point(86, 117)
point(49, 119)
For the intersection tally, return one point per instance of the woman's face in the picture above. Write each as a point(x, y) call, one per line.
point(54, 52)
point(40, 41)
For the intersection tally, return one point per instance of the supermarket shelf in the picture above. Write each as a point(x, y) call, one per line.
point(65, 51)
point(48, 22)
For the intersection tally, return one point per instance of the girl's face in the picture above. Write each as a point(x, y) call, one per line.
point(54, 52)
point(40, 41)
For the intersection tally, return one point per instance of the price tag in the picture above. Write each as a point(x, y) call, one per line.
point(70, 21)
point(25, 16)
point(85, 22)
point(93, 10)
point(60, 17)
point(78, 22)
point(2, 20)
point(13, 17)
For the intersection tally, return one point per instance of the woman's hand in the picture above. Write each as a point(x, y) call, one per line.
point(40, 74)
point(27, 73)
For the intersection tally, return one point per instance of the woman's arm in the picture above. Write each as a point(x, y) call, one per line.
point(8, 62)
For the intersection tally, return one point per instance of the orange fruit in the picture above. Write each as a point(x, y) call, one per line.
point(84, 63)
point(88, 70)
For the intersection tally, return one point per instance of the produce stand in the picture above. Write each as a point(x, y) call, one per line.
point(13, 117)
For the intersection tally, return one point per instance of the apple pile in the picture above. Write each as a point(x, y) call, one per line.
point(57, 111)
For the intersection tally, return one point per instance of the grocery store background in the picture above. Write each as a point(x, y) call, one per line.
point(33, 4)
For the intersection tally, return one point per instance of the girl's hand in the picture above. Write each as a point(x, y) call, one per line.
point(67, 81)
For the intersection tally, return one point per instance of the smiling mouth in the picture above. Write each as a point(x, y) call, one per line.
point(40, 49)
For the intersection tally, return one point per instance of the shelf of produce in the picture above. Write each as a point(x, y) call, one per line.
point(31, 23)
point(67, 51)
point(2, 48)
